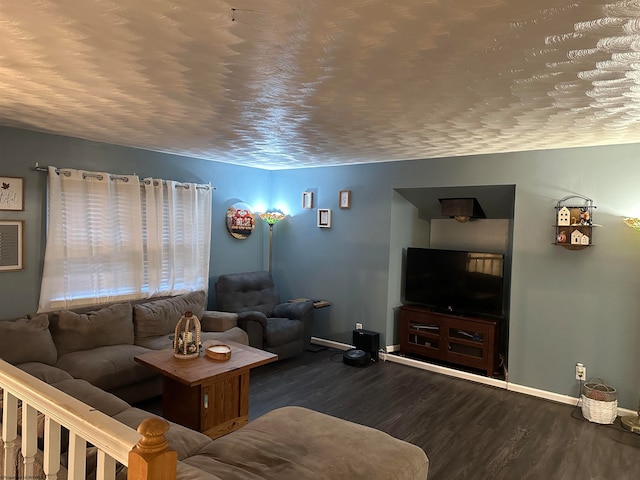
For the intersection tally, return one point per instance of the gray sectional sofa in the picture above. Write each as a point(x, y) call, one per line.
point(89, 355)
point(99, 344)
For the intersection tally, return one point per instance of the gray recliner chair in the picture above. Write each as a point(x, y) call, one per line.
point(280, 328)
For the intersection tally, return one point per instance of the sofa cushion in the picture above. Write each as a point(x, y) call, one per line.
point(183, 440)
point(27, 339)
point(162, 342)
point(282, 330)
point(209, 463)
point(235, 334)
point(159, 317)
point(107, 367)
point(275, 447)
point(187, 472)
point(47, 373)
point(92, 396)
point(112, 325)
point(159, 342)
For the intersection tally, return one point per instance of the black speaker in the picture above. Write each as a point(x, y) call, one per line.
point(367, 341)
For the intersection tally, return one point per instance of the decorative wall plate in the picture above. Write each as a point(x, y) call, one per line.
point(240, 220)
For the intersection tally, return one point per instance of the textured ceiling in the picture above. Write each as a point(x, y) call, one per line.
point(292, 83)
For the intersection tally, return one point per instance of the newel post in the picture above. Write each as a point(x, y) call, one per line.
point(151, 458)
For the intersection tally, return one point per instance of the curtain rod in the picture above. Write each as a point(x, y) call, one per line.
point(117, 177)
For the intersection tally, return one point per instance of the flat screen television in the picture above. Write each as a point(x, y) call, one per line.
point(455, 281)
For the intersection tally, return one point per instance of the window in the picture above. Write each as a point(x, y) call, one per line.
point(112, 238)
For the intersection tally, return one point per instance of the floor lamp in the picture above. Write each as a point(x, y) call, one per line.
point(632, 422)
point(271, 217)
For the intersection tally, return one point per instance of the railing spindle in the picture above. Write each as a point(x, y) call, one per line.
point(77, 457)
point(29, 438)
point(9, 434)
point(106, 469)
point(51, 461)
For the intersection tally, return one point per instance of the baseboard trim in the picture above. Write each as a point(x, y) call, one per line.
point(451, 372)
point(513, 387)
point(330, 343)
point(557, 397)
point(536, 392)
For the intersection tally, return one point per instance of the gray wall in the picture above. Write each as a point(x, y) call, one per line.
point(566, 306)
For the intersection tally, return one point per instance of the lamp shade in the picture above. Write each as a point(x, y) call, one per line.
point(272, 216)
point(632, 222)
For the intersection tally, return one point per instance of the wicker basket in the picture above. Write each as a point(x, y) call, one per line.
point(599, 402)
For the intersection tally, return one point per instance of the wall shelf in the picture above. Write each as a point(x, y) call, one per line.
point(574, 222)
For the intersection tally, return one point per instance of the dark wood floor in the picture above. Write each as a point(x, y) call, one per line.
point(469, 431)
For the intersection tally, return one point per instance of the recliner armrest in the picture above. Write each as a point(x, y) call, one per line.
point(254, 323)
point(214, 321)
point(294, 310)
point(252, 316)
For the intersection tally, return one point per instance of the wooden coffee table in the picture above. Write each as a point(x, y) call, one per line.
point(204, 394)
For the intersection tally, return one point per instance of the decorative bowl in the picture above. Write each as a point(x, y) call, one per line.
point(218, 352)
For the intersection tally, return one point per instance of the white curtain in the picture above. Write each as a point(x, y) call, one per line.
point(94, 250)
point(109, 239)
point(178, 236)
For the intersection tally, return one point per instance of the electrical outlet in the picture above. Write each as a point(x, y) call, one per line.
point(358, 326)
point(581, 371)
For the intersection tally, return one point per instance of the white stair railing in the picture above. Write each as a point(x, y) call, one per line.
point(112, 439)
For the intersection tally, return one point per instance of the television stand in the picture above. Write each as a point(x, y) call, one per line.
point(465, 341)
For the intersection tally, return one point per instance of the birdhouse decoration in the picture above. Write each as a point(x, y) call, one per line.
point(186, 341)
point(564, 216)
point(576, 237)
point(584, 240)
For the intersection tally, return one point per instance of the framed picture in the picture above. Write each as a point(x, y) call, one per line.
point(307, 199)
point(11, 245)
point(11, 193)
point(240, 220)
point(324, 218)
point(345, 199)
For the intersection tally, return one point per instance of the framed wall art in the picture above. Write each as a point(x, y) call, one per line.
point(345, 199)
point(11, 193)
point(240, 220)
point(11, 245)
point(324, 218)
point(307, 199)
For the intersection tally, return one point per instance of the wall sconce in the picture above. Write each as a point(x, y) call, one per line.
point(632, 222)
point(272, 217)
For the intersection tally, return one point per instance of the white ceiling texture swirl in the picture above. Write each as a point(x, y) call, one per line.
point(279, 84)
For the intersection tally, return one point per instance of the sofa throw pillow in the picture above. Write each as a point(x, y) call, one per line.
point(159, 317)
point(112, 325)
point(27, 339)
